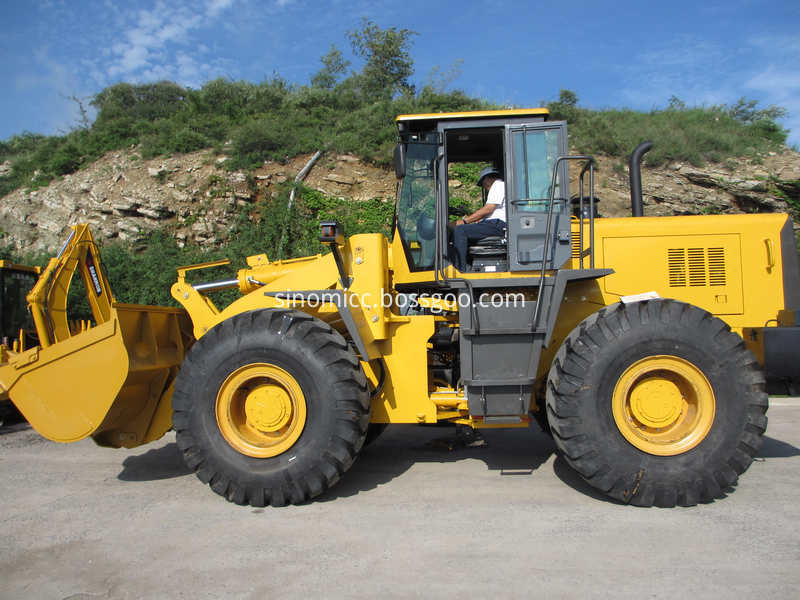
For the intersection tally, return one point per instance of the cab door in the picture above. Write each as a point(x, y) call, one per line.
point(531, 154)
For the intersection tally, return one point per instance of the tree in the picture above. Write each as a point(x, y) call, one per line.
point(566, 107)
point(148, 101)
point(567, 97)
point(745, 111)
point(438, 81)
point(388, 62)
point(675, 103)
point(333, 67)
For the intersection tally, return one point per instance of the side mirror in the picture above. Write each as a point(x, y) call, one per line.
point(331, 232)
point(400, 160)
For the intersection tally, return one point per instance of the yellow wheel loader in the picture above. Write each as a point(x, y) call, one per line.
point(15, 283)
point(640, 343)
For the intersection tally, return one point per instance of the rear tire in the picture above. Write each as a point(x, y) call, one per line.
point(657, 402)
point(270, 407)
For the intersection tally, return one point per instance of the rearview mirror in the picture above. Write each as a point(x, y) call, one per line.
point(400, 161)
point(331, 232)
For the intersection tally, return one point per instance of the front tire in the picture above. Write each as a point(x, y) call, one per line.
point(270, 407)
point(657, 402)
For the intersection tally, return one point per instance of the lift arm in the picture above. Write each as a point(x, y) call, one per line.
point(48, 298)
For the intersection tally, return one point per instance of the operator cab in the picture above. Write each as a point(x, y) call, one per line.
point(15, 283)
point(436, 151)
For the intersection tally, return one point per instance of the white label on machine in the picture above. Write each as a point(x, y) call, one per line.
point(489, 269)
point(639, 297)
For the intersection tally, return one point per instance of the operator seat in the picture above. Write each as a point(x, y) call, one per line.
point(489, 251)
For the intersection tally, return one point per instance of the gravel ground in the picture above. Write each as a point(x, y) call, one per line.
point(511, 520)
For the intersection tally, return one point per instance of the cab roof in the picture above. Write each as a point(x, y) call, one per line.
point(475, 114)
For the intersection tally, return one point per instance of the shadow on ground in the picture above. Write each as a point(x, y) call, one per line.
point(772, 448)
point(160, 463)
point(571, 477)
point(512, 452)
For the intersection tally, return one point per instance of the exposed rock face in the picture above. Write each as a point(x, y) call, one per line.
point(122, 196)
point(742, 186)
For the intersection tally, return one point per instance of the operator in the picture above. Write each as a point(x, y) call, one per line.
point(488, 220)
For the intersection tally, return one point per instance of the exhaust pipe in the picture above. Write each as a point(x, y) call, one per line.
point(635, 171)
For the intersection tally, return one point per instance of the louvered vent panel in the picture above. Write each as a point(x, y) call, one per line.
point(697, 267)
point(576, 245)
point(676, 260)
point(716, 266)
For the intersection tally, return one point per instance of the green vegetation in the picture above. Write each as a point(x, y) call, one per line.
point(466, 198)
point(687, 134)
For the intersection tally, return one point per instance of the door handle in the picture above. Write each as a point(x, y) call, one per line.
point(770, 254)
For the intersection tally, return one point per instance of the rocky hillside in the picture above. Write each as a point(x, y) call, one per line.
point(123, 196)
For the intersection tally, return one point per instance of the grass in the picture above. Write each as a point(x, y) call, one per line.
point(693, 135)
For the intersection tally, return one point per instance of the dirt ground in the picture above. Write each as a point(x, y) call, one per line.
point(508, 521)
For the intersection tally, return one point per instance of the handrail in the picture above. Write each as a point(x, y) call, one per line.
point(548, 228)
point(589, 165)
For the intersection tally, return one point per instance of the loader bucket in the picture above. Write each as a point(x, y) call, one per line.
point(112, 380)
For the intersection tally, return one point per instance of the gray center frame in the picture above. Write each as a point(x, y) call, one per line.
point(500, 344)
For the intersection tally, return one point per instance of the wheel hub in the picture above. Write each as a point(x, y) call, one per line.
point(656, 402)
point(261, 410)
point(268, 408)
point(663, 405)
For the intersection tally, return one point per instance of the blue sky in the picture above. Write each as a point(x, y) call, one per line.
point(612, 54)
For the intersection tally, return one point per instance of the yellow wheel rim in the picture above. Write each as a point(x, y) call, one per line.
point(663, 405)
point(261, 410)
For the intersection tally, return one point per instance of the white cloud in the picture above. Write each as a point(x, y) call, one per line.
point(686, 67)
point(151, 42)
point(776, 81)
point(215, 7)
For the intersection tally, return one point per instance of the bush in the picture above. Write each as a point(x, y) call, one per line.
point(256, 141)
point(66, 159)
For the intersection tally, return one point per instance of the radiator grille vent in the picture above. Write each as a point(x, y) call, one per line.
point(716, 266)
point(676, 258)
point(696, 267)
